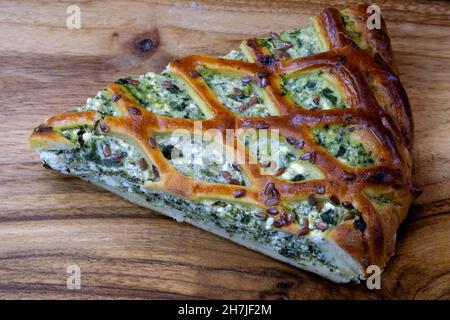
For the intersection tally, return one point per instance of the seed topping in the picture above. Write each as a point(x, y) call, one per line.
point(134, 111)
point(271, 202)
point(261, 215)
point(272, 211)
point(305, 156)
point(269, 188)
point(104, 127)
point(143, 164)
point(304, 227)
point(300, 144)
point(155, 171)
point(116, 97)
point(320, 189)
point(291, 140)
point(43, 128)
point(106, 150)
point(262, 125)
point(239, 193)
point(321, 225)
point(225, 174)
point(274, 35)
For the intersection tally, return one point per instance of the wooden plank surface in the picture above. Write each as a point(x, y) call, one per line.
point(49, 222)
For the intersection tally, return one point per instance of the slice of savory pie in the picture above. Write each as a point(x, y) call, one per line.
point(334, 197)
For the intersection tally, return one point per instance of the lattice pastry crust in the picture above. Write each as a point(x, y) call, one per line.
point(365, 72)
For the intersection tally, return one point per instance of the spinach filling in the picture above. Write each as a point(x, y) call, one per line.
point(165, 95)
point(279, 157)
point(102, 103)
point(344, 144)
point(318, 210)
point(87, 162)
point(237, 95)
point(162, 94)
point(296, 42)
point(312, 91)
point(101, 154)
point(119, 166)
point(200, 160)
point(351, 28)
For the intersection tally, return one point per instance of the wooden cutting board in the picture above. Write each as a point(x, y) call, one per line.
point(49, 222)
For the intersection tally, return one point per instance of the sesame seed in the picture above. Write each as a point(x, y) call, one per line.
point(288, 218)
point(152, 142)
point(286, 45)
point(320, 189)
point(305, 156)
point(262, 82)
point(225, 174)
point(234, 181)
point(155, 171)
point(262, 125)
point(304, 227)
point(116, 97)
point(291, 140)
point(134, 111)
point(143, 164)
point(104, 127)
point(239, 193)
point(261, 215)
point(269, 188)
point(43, 128)
point(271, 202)
point(274, 35)
point(275, 194)
point(246, 79)
point(272, 211)
point(321, 225)
point(278, 223)
point(106, 150)
point(253, 100)
point(300, 144)
point(238, 92)
point(243, 107)
point(282, 54)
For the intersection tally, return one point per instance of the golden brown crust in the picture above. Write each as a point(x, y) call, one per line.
point(384, 119)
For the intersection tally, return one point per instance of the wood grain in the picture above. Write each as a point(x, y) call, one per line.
point(48, 222)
